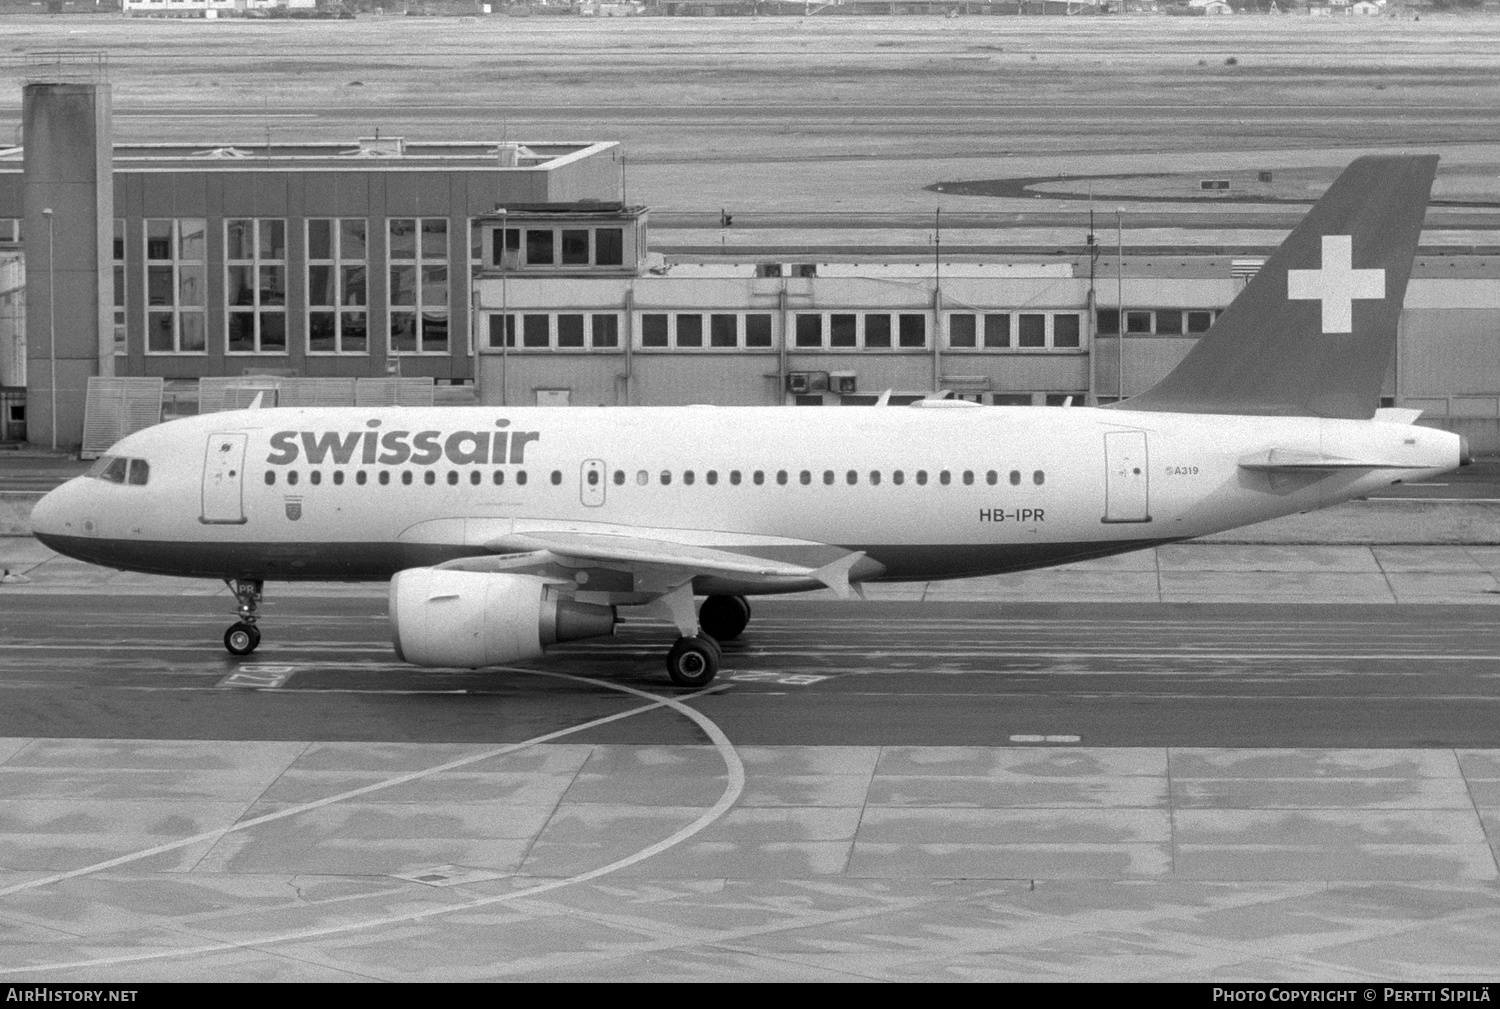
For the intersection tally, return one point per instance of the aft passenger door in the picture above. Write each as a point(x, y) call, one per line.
point(223, 479)
point(1127, 477)
point(591, 482)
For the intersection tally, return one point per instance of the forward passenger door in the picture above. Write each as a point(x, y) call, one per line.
point(223, 479)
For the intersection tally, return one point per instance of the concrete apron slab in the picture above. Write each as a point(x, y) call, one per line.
point(835, 862)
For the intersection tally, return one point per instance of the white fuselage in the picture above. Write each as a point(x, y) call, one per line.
point(344, 493)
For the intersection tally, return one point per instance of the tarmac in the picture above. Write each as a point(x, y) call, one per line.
point(556, 859)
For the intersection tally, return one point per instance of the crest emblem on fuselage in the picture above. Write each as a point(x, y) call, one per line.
point(294, 508)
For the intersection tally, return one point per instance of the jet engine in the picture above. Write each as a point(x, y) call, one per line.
point(473, 619)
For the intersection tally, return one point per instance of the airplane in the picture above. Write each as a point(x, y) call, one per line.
point(505, 530)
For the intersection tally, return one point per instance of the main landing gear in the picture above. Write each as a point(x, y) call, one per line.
point(724, 617)
point(695, 659)
point(243, 636)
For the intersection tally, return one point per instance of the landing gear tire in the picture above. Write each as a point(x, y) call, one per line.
point(693, 662)
point(241, 639)
point(724, 617)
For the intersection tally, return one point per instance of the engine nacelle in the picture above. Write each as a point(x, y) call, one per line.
point(472, 619)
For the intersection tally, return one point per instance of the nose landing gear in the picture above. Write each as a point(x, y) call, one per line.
point(243, 636)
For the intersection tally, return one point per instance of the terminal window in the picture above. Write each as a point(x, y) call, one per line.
point(255, 287)
point(704, 330)
point(913, 331)
point(809, 331)
point(1066, 334)
point(176, 266)
point(1031, 330)
point(575, 246)
point(1158, 321)
point(545, 331)
point(418, 290)
point(609, 246)
point(962, 332)
point(506, 248)
point(841, 330)
point(689, 330)
point(337, 294)
point(859, 331)
point(539, 247)
point(724, 330)
point(757, 329)
point(604, 331)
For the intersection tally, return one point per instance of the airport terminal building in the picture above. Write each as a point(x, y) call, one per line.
point(516, 273)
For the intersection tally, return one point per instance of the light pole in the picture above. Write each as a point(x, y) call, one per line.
point(504, 235)
point(51, 326)
point(1120, 298)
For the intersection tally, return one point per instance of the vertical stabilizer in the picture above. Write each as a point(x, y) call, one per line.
point(1314, 331)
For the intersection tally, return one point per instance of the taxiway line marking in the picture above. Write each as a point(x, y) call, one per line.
point(214, 835)
point(1187, 651)
point(732, 791)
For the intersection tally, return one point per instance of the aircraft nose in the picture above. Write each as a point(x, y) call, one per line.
point(48, 514)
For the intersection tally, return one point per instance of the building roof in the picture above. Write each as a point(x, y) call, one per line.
point(382, 154)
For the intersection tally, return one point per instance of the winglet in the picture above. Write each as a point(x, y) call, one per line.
point(836, 575)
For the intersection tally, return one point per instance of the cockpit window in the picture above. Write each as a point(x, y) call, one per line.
point(118, 469)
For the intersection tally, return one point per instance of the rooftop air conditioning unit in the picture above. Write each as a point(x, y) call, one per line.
point(843, 382)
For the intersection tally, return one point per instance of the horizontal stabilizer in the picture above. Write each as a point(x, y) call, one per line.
point(1397, 415)
point(1280, 461)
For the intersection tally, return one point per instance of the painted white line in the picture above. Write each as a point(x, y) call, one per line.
point(214, 835)
point(731, 795)
point(258, 676)
point(1045, 739)
point(783, 679)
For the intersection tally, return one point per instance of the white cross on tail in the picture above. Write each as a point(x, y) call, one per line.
point(1336, 284)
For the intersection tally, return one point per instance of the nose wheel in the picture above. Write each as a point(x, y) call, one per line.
point(243, 636)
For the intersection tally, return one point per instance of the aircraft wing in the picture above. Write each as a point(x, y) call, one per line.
point(658, 564)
